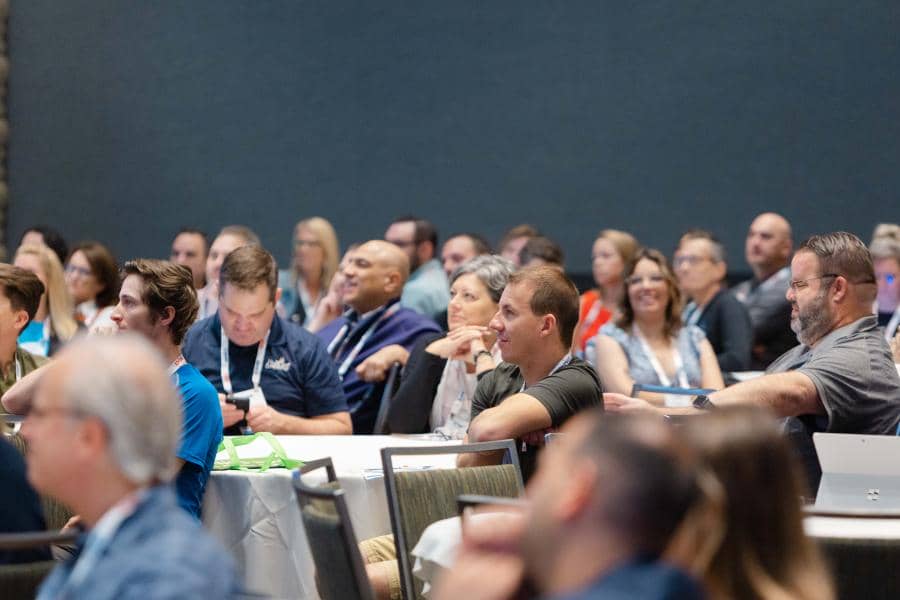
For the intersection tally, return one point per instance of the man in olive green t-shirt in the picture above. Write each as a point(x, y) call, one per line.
point(20, 295)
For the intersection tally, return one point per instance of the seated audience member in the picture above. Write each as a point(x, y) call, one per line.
point(229, 238)
point(612, 252)
point(841, 378)
point(458, 249)
point(539, 384)
point(332, 304)
point(603, 505)
point(757, 548)
point(768, 252)
point(513, 240)
point(363, 342)
point(158, 301)
point(20, 507)
point(44, 235)
point(885, 248)
point(541, 251)
point(648, 343)
point(190, 248)
point(439, 379)
point(426, 291)
point(247, 351)
point(102, 434)
point(92, 278)
point(53, 324)
point(461, 248)
point(700, 266)
point(314, 262)
point(20, 294)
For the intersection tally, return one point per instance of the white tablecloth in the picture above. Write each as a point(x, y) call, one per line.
point(256, 516)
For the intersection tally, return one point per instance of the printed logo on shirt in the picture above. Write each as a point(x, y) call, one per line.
point(278, 365)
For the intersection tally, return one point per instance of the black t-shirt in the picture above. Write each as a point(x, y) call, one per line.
point(573, 387)
point(20, 508)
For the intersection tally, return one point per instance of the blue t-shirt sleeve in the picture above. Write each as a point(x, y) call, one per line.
point(322, 387)
point(202, 424)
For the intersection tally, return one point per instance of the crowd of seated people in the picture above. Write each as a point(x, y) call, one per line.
point(487, 348)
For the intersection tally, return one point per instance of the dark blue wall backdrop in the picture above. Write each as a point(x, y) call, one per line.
point(131, 119)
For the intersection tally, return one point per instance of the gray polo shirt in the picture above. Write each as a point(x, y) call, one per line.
point(854, 376)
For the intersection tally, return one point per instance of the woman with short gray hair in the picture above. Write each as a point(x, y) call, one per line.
point(439, 379)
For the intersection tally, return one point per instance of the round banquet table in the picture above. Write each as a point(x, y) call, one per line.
point(256, 516)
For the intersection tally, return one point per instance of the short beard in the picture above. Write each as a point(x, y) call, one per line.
point(815, 323)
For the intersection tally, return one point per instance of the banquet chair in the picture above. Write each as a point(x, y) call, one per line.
point(20, 581)
point(392, 382)
point(418, 498)
point(340, 574)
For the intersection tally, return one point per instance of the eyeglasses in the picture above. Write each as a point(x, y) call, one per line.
point(689, 259)
point(303, 243)
point(637, 279)
point(799, 284)
point(79, 271)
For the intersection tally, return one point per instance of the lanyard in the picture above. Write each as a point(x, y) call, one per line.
point(370, 330)
point(226, 361)
point(100, 538)
point(693, 313)
point(176, 364)
point(654, 362)
point(892, 325)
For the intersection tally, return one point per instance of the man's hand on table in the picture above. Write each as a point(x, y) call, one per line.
point(264, 418)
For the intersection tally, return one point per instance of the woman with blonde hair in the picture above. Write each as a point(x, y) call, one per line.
point(612, 252)
point(751, 545)
point(53, 324)
point(314, 263)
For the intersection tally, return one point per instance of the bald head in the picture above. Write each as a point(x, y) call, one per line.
point(769, 244)
point(374, 275)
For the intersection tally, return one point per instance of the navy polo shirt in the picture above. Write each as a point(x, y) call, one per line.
point(298, 376)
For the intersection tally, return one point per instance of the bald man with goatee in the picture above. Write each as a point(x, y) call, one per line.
point(375, 331)
point(768, 252)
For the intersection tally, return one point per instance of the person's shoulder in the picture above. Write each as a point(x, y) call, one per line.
point(32, 361)
point(652, 579)
point(192, 383)
point(578, 367)
point(408, 318)
point(200, 332)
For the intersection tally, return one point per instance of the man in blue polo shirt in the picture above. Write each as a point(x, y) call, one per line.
point(247, 352)
point(158, 301)
point(376, 332)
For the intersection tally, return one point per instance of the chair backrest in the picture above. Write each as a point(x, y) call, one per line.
point(20, 581)
point(418, 498)
point(390, 386)
point(339, 566)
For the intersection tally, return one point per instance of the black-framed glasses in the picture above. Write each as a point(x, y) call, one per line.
point(799, 284)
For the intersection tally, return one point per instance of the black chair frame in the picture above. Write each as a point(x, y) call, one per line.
point(304, 495)
point(407, 585)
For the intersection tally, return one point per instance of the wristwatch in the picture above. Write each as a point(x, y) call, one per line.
point(702, 402)
point(478, 354)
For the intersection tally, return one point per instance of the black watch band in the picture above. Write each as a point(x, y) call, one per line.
point(478, 354)
point(702, 402)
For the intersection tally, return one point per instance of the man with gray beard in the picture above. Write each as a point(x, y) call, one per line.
point(841, 378)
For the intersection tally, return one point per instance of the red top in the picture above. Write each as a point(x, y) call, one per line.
point(593, 316)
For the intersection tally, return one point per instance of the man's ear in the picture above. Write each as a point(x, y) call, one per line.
point(576, 496)
point(21, 320)
point(840, 288)
point(721, 270)
point(548, 325)
point(167, 316)
point(393, 282)
point(93, 437)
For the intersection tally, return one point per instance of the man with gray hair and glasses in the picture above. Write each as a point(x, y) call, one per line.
point(102, 435)
point(841, 378)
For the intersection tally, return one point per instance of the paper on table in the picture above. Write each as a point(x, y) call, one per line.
point(258, 448)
